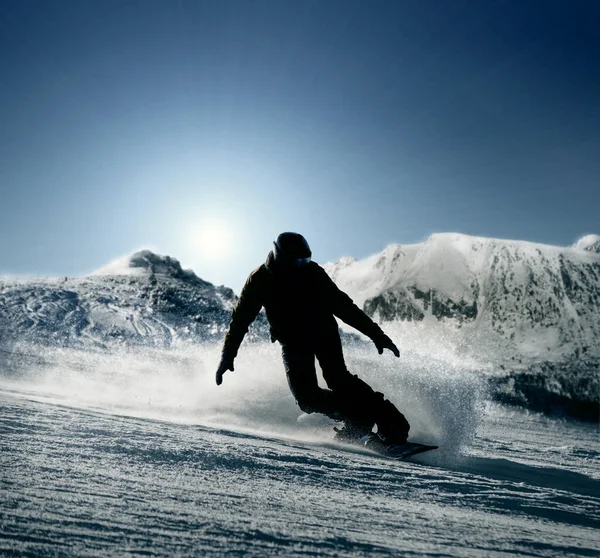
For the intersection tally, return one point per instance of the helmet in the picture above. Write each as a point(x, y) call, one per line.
point(291, 249)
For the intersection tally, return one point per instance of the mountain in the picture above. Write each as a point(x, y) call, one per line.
point(527, 309)
point(531, 297)
point(525, 314)
point(143, 299)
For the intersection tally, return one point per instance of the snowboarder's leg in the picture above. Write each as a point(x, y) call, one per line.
point(362, 406)
point(301, 374)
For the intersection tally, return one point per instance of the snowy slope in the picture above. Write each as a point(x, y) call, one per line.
point(144, 299)
point(114, 438)
point(83, 480)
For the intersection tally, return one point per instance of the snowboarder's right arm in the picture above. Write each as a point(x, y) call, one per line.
point(245, 312)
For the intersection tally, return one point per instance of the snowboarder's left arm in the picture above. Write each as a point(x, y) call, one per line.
point(345, 309)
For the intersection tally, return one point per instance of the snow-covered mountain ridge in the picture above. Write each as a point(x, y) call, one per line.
point(518, 291)
point(530, 309)
point(143, 299)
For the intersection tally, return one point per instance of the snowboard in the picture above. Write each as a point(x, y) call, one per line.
point(394, 451)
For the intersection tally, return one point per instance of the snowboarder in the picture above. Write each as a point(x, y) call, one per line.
point(301, 301)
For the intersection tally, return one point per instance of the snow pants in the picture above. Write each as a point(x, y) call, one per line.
point(348, 398)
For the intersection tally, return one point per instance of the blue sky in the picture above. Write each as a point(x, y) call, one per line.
point(358, 124)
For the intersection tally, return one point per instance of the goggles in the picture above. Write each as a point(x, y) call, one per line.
point(301, 262)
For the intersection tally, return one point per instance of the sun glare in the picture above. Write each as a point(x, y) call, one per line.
point(213, 239)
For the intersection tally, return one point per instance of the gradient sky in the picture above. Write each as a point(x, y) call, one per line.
point(126, 124)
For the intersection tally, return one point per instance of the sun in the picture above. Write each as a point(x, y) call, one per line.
point(213, 239)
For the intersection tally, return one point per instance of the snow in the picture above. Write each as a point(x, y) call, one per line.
point(144, 262)
point(526, 313)
point(504, 307)
point(116, 440)
point(522, 293)
point(108, 454)
point(590, 243)
point(120, 266)
point(366, 278)
point(143, 299)
point(447, 262)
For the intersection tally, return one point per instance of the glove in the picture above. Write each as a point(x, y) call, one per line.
point(225, 364)
point(384, 342)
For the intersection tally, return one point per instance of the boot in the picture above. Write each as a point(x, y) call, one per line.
point(352, 432)
point(392, 426)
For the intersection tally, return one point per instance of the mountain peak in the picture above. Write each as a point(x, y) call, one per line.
point(589, 243)
point(146, 262)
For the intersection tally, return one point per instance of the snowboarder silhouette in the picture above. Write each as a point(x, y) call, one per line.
point(301, 301)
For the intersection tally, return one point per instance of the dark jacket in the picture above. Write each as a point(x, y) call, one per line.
point(300, 304)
